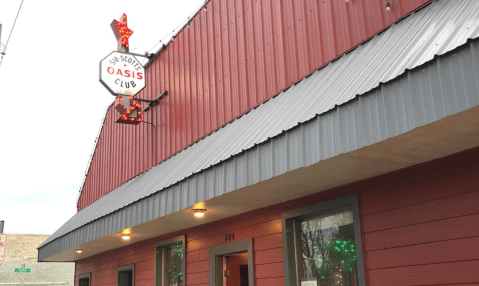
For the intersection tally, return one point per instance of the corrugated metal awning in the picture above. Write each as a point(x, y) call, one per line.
point(182, 180)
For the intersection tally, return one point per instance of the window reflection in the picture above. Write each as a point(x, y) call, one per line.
point(326, 250)
point(173, 264)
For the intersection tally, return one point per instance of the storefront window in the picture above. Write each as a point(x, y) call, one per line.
point(173, 259)
point(326, 250)
point(170, 262)
point(84, 279)
point(126, 275)
point(323, 244)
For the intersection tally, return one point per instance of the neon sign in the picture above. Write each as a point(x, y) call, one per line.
point(122, 33)
point(130, 111)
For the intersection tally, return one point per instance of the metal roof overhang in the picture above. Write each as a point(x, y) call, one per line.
point(409, 95)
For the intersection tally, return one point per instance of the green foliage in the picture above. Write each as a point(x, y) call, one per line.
point(173, 266)
point(339, 260)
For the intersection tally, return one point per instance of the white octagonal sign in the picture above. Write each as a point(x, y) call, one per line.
point(122, 74)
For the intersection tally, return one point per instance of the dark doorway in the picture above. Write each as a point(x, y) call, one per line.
point(244, 275)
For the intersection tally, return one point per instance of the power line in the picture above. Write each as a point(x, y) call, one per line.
point(11, 31)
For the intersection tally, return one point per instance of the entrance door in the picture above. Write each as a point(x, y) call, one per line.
point(235, 269)
point(231, 264)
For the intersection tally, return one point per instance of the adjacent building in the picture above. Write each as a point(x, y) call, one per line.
point(325, 143)
point(21, 253)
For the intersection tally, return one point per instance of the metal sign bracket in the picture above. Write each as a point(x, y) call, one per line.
point(146, 55)
point(151, 102)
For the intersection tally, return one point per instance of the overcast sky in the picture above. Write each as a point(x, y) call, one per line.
point(52, 101)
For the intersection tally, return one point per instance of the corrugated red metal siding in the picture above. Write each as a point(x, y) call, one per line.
point(232, 57)
point(419, 225)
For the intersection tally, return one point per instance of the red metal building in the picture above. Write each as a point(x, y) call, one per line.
point(330, 143)
point(231, 58)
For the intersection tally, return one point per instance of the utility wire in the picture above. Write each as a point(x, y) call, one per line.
point(11, 31)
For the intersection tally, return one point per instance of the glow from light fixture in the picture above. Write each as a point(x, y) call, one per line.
point(79, 250)
point(125, 237)
point(199, 213)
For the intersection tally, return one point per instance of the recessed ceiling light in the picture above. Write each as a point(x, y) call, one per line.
point(78, 250)
point(125, 237)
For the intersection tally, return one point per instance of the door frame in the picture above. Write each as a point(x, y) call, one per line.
point(218, 251)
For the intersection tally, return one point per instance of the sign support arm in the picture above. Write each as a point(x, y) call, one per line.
point(151, 102)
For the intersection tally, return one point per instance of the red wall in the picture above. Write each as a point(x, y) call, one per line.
point(232, 57)
point(420, 226)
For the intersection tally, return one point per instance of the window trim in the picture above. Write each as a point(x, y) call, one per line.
point(126, 267)
point(245, 245)
point(287, 221)
point(166, 242)
point(83, 276)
